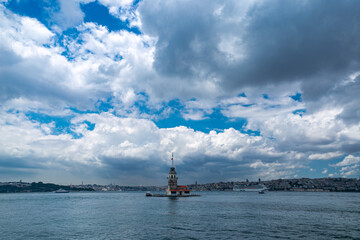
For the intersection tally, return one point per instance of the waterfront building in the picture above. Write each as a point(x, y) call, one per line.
point(173, 189)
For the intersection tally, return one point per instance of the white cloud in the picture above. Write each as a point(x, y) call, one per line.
point(193, 115)
point(69, 15)
point(325, 156)
point(348, 160)
point(34, 67)
point(124, 10)
point(28, 30)
point(349, 166)
point(93, 73)
point(320, 129)
point(274, 170)
point(261, 110)
point(350, 170)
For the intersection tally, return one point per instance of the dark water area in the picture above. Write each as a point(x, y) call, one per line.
point(214, 215)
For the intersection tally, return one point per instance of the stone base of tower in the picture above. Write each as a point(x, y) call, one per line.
point(169, 196)
point(179, 191)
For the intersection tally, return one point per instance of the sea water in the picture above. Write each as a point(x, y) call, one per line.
point(213, 215)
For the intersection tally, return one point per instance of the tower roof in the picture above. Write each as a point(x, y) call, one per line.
point(172, 170)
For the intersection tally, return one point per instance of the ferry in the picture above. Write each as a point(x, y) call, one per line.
point(249, 188)
point(61, 191)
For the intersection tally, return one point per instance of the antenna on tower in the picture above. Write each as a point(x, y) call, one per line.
point(172, 159)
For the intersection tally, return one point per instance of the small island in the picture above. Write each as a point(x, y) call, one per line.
point(173, 189)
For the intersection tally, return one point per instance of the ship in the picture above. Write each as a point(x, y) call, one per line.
point(250, 188)
point(61, 191)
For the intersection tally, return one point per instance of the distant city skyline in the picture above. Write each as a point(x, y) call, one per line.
point(104, 91)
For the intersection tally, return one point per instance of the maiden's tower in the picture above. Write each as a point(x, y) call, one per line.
point(173, 189)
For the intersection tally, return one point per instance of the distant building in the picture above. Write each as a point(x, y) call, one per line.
point(173, 189)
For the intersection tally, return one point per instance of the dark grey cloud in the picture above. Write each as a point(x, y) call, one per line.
point(15, 168)
point(298, 39)
point(351, 148)
point(282, 41)
point(10, 162)
point(9, 174)
point(211, 168)
point(133, 170)
point(186, 36)
point(203, 169)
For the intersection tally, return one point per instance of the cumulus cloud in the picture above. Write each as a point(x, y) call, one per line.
point(23, 41)
point(139, 146)
point(348, 160)
point(260, 108)
point(124, 9)
point(321, 132)
point(106, 64)
point(349, 166)
point(274, 170)
point(325, 156)
point(69, 14)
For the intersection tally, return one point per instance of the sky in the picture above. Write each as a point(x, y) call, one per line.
point(104, 91)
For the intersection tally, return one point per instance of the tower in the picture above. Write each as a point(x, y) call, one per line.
point(172, 178)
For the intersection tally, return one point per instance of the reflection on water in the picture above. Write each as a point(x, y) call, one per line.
point(172, 206)
point(171, 223)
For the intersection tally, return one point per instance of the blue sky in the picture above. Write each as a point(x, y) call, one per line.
point(104, 91)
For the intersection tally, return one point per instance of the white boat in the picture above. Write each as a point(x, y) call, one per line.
point(61, 191)
point(249, 188)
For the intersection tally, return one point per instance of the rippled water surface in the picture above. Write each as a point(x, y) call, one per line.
point(214, 215)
